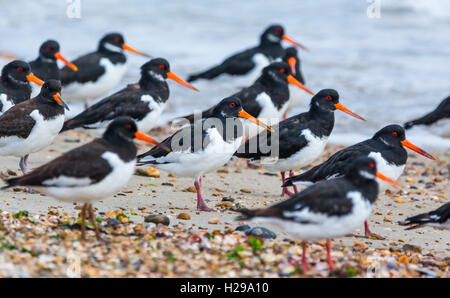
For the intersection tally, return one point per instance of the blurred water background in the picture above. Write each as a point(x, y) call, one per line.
point(389, 69)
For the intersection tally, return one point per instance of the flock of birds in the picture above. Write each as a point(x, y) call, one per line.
point(342, 190)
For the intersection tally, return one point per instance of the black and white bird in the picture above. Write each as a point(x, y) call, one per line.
point(203, 146)
point(297, 141)
point(326, 210)
point(266, 99)
point(386, 147)
point(90, 172)
point(143, 101)
point(441, 112)
point(98, 72)
point(296, 96)
point(250, 62)
point(30, 126)
point(15, 84)
point(45, 66)
point(439, 218)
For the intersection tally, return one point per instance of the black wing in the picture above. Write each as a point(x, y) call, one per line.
point(439, 216)
point(89, 69)
point(17, 120)
point(82, 162)
point(442, 111)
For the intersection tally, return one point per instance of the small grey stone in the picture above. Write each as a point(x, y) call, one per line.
point(261, 232)
point(243, 228)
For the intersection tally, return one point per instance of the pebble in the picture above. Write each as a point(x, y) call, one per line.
point(158, 219)
point(213, 221)
point(243, 228)
point(184, 216)
point(261, 232)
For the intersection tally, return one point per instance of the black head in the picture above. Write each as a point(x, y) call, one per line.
point(123, 128)
point(16, 71)
point(273, 34)
point(50, 89)
point(364, 168)
point(156, 68)
point(392, 135)
point(290, 52)
point(325, 100)
point(277, 71)
point(229, 107)
point(112, 41)
point(49, 49)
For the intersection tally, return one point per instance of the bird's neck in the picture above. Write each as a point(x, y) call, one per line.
point(324, 118)
point(156, 85)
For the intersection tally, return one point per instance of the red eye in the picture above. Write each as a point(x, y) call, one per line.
point(395, 134)
point(282, 70)
point(278, 31)
point(116, 39)
point(48, 48)
point(328, 97)
point(372, 165)
point(232, 104)
point(161, 66)
point(19, 68)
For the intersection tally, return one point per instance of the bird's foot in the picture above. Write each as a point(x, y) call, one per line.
point(373, 236)
point(252, 166)
point(203, 207)
point(285, 191)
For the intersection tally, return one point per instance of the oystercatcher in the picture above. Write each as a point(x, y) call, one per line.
point(386, 147)
point(202, 146)
point(32, 125)
point(14, 84)
point(267, 99)
point(326, 210)
point(45, 66)
point(250, 62)
point(91, 172)
point(143, 101)
point(441, 112)
point(439, 218)
point(298, 140)
point(296, 96)
point(98, 72)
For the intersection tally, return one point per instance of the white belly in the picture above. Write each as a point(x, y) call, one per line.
point(149, 121)
point(6, 104)
point(85, 193)
point(114, 73)
point(390, 170)
point(300, 159)
point(187, 164)
point(323, 226)
point(42, 135)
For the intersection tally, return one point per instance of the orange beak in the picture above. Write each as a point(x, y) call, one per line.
point(292, 62)
point(133, 50)
point(179, 80)
point(288, 39)
point(386, 179)
point(58, 99)
point(66, 62)
point(413, 147)
point(32, 78)
point(247, 116)
point(341, 107)
point(294, 81)
point(142, 136)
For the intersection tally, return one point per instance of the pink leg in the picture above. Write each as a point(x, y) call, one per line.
point(201, 205)
point(285, 190)
point(291, 174)
point(285, 116)
point(330, 260)
point(305, 266)
point(252, 165)
point(368, 233)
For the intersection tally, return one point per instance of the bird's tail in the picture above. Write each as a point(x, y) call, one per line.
point(246, 214)
point(10, 182)
point(208, 74)
point(417, 221)
point(297, 179)
point(69, 124)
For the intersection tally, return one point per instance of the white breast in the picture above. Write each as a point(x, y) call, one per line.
point(323, 226)
point(6, 104)
point(390, 170)
point(112, 76)
point(188, 164)
point(302, 158)
point(72, 189)
point(149, 121)
point(42, 135)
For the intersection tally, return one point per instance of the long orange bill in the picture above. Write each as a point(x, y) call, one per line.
point(32, 78)
point(295, 82)
point(179, 80)
point(288, 39)
point(341, 107)
point(247, 116)
point(386, 179)
point(142, 136)
point(413, 147)
point(58, 99)
point(292, 62)
point(133, 50)
point(66, 62)
point(8, 56)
